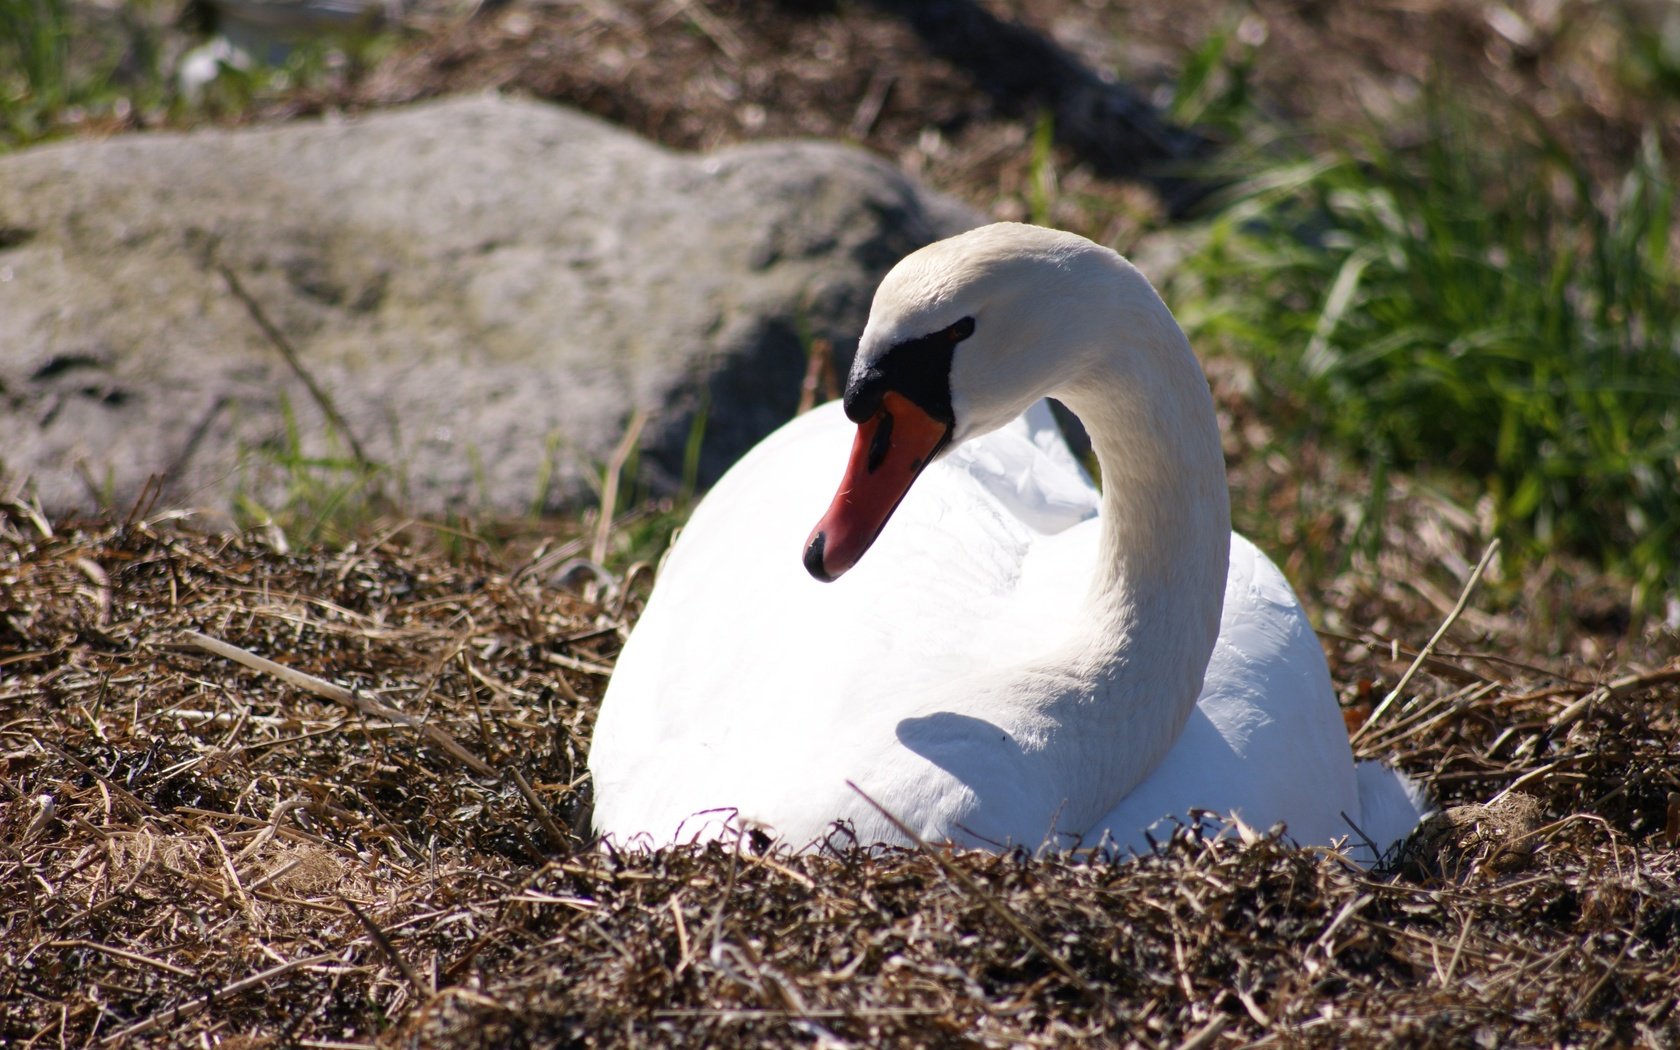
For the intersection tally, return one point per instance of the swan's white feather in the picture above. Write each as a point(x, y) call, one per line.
point(749, 693)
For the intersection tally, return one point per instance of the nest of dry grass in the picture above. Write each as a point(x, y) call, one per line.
point(383, 846)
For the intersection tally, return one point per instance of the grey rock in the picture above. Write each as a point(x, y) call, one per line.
point(484, 289)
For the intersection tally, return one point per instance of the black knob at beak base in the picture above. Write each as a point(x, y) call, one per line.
point(814, 558)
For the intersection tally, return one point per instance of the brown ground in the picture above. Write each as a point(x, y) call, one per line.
point(192, 849)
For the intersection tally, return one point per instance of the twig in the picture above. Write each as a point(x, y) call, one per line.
point(32, 511)
point(1532, 775)
point(728, 891)
point(1423, 654)
point(819, 383)
point(280, 872)
point(869, 107)
point(714, 30)
point(609, 484)
point(1458, 953)
point(685, 955)
point(1446, 659)
point(233, 875)
point(1246, 998)
point(1208, 1034)
point(1618, 688)
point(1604, 978)
point(783, 869)
point(322, 399)
point(572, 663)
point(152, 489)
point(119, 953)
point(1628, 683)
point(388, 948)
point(271, 827)
point(1415, 722)
point(551, 829)
point(1325, 941)
point(189, 1009)
point(338, 694)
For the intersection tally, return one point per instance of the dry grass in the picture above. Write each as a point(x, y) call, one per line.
point(193, 852)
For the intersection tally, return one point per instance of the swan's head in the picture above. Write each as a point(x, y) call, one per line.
point(963, 336)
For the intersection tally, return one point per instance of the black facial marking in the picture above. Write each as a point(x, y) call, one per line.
point(918, 369)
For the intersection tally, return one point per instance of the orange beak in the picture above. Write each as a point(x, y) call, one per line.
point(891, 449)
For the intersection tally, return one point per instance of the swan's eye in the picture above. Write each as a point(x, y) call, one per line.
point(959, 331)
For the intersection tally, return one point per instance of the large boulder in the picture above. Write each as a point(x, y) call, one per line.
point(476, 294)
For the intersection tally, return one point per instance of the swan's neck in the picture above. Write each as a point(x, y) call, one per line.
point(1158, 586)
point(1165, 513)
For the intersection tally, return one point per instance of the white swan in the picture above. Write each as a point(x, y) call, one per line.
point(1019, 660)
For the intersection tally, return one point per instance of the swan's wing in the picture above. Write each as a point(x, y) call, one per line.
point(1029, 470)
point(742, 663)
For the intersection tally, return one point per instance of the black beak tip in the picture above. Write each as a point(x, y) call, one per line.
point(814, 558)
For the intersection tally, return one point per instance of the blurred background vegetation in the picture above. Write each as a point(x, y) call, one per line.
point(1430, 251)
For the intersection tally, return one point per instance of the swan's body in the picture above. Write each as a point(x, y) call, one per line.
point(1018, 660)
